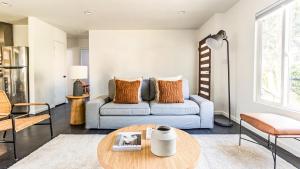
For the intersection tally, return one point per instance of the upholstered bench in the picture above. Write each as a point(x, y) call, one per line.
point(271, 124)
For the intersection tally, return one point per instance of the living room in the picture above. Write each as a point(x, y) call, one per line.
point(194, 83)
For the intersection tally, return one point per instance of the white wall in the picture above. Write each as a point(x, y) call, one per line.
point(239, 23)
point(83, 43)
point(135, 53)
point(41, 38)
point(218, 61)
point(20, 35)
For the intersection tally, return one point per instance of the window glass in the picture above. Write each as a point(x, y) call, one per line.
point(278, 55)
point(271, 50)
point(293, 53)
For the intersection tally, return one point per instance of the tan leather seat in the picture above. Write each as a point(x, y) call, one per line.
point(23, 123)
point(272, 123)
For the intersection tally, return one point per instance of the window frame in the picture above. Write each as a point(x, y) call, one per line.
point(285, 82)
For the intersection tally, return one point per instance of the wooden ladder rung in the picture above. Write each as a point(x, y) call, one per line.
point(204, 75)
point(204, 68)
point(204, 83)
point(204, 62)
point(204, 89)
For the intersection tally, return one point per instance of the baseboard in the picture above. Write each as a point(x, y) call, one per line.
point(39, 109)
point(219, 112)
point(286, 144)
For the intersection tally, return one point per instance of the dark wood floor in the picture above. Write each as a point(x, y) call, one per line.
point(35, 136)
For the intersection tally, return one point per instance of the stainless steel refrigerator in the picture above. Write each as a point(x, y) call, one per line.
point(14, 75)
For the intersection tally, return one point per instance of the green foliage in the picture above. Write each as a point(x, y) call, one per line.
point(295, 77)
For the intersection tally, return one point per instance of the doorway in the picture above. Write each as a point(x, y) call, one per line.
point(60, 81)
point(84, 60)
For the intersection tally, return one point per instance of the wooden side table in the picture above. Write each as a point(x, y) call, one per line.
point(77, 109)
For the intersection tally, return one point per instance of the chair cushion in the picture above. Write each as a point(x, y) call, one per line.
point(22, 123)
point(109, 109)
point(188, 107)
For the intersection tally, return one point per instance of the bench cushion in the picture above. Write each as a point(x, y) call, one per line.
point(272, 123)
point(111, 108)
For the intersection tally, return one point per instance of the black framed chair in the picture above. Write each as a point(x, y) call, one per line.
point(9, 121)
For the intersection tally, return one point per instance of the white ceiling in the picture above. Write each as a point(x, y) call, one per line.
point(115, 14)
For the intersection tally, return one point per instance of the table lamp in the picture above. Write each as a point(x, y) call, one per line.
point(78, 73)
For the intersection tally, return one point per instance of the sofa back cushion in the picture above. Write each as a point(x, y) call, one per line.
point(144, 91)
point(185, 89)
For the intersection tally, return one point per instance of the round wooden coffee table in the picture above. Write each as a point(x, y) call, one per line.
point(187, 152)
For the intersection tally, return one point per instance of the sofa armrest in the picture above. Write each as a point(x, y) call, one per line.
point(92, 111)
point(206, 111)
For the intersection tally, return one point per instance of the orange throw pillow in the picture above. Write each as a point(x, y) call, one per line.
point(170, 91)
point(127, 92)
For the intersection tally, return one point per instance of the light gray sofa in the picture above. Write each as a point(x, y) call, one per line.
point(195, 112)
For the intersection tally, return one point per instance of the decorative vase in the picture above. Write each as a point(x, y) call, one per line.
point(163, 141)
point(77, 88)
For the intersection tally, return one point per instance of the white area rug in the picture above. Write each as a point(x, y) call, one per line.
point(217, 152)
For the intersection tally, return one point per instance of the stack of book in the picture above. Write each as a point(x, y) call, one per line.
point(128, 141)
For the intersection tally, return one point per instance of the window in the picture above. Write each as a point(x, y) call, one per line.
point(278, 55)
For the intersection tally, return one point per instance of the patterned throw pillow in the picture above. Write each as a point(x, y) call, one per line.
point(127, 92)
point(170, 91)
point(175, 78)
point(130, 80)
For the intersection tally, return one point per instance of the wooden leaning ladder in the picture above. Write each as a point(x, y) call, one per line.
point(204, 70)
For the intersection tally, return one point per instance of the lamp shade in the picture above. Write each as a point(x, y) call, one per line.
point(78, 72)
point(216, 41)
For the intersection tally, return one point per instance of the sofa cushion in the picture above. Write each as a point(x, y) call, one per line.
point(181, 122)
point(111, 108)
point(144, 91)
point(152, 89)
point(188, 107)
